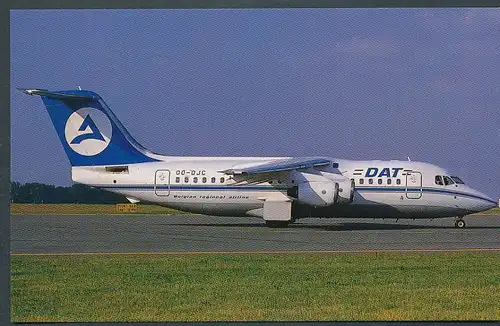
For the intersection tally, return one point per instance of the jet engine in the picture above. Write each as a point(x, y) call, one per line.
point(325, 192)
point(318, 193)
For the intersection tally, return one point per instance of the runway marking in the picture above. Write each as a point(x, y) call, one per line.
point(256, 252)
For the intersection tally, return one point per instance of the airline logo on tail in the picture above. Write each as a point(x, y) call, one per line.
point(88, 131)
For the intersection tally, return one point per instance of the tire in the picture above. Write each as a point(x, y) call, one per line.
point(460, 224)
point(276, 224)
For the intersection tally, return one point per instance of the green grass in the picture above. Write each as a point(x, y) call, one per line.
point(493, 211)
point(16, 209)
point(256, 287)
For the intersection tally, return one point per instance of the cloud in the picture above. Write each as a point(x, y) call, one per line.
point(485, 48)
point(482, 16)
point(367, 47)
point(461, 19)
point(353, 50)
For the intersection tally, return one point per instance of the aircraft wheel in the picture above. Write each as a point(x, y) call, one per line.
point(460, 224)
point(276, 224)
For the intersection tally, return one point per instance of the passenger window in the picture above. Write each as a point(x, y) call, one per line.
point(204, 180)
point(212, 180)
point(195, 179)
point(186, 179)
point(447, 180)
point(177, 179)
point(439, 180)
point(222, 180)
point(370, 181)
point(389, 181)
point(361, 181)
point(398, 181)
point(379, 181)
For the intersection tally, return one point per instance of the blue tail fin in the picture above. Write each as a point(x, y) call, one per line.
point(89, 131)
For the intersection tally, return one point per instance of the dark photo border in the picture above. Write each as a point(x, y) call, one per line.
point(5, 7)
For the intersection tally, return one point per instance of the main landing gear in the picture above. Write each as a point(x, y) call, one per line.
point(460, 223)
point(277, 224)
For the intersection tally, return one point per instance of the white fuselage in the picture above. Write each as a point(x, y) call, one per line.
point(392, 189)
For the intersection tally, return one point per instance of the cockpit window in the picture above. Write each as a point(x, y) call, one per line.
point(447, 180)
point(457, 180)
point(439, 180)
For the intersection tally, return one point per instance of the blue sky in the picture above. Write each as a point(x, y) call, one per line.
point(345, 83)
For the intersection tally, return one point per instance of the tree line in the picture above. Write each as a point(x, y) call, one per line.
point(39, 193)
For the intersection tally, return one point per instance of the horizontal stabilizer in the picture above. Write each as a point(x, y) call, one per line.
point(56, 95)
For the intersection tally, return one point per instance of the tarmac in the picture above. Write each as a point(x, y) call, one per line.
point(198, 234)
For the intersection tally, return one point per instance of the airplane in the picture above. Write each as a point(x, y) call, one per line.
point(278, 190)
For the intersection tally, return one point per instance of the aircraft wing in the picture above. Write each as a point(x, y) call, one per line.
point(269, 170)
point(281, 165)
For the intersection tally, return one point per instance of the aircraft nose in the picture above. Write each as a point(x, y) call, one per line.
point(485, 203)
point(475, 201)
point(492, 204)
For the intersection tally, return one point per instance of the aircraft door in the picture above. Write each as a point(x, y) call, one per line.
point(162, 182)
point(413, 185)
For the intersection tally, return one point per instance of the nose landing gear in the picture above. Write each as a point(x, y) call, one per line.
point(460, 223)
